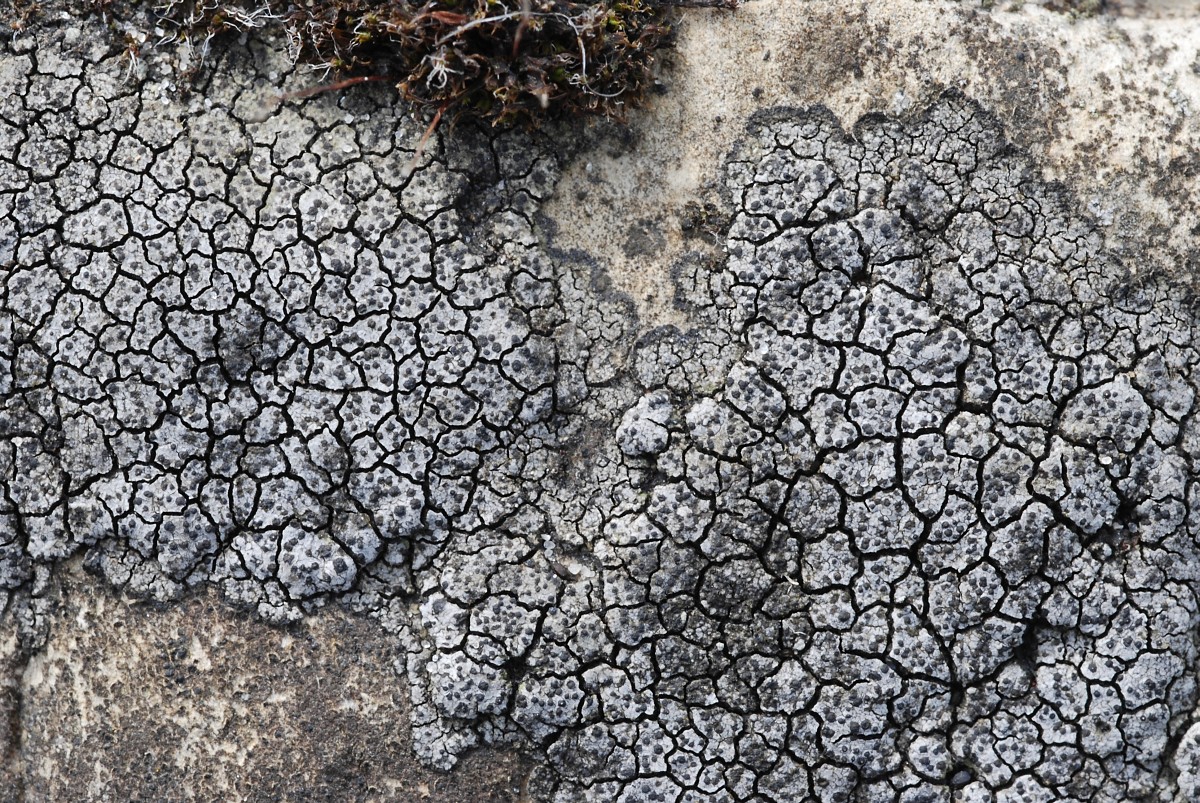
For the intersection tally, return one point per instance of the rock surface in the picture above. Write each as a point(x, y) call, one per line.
point(774, 452)
point(193, 701)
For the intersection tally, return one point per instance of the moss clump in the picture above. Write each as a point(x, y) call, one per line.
point(503, 62)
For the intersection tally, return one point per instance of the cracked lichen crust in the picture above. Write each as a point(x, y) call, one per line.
point(931, 525)
point(272, 355)
point(908, 512)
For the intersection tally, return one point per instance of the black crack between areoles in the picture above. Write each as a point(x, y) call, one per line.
point(911, 508)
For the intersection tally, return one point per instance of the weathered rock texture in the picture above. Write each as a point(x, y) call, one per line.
point(899, 502)
point(189, 702)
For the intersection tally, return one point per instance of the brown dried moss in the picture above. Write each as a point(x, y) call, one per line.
point(500, 61)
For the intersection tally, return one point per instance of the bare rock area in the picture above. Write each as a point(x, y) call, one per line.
point(826, 432)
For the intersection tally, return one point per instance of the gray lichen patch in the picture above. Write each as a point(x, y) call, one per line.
point(1105, 102)
point(907, 510)
point(902, 532)
point(271, 362)
point(933, 529)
